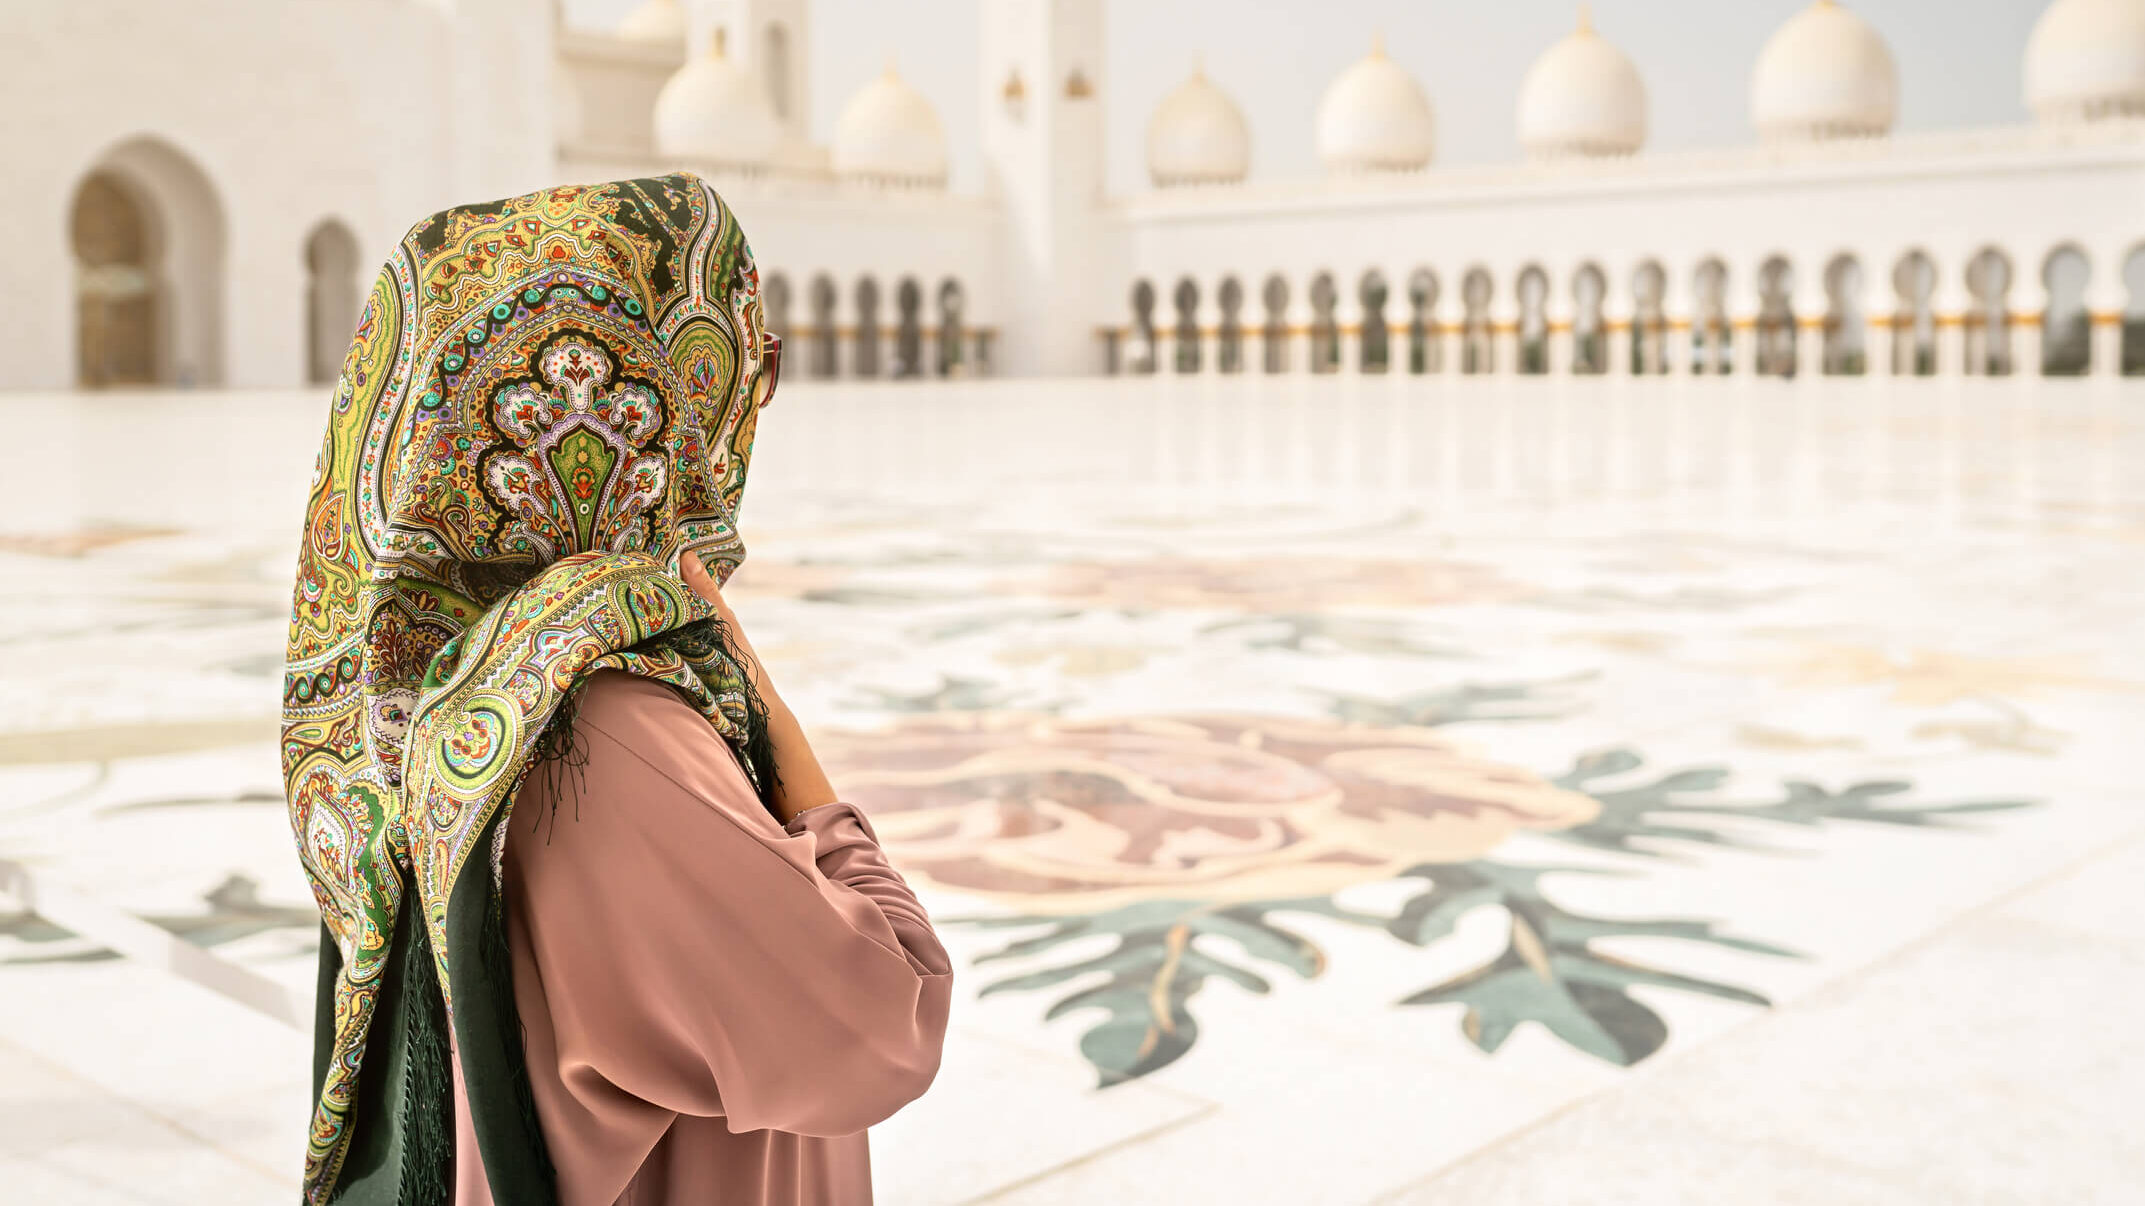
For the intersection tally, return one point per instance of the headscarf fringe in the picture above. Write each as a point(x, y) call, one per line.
point(427, 1080)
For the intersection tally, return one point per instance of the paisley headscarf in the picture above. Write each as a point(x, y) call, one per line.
point(550, 399)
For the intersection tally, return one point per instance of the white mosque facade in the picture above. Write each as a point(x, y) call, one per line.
point(204, 206)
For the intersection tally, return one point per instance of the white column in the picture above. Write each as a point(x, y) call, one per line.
point(1948, 304)
point(1209, 319)
point(1810, 305)
point(1348, 318)
point(1809, 344)
point(2026, 343)
point(1296, 342)
point(1504, 337)
point(2107, 343)
point(1559, 339)
point(1165, 348)
point(1743, 342)
point(1254, 345)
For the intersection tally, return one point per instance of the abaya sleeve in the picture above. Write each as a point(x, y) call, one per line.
point(700, 957)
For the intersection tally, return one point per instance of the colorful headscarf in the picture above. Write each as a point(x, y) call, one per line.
point(549, 400)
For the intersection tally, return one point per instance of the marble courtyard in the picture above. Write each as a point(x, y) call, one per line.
point(1499, 791)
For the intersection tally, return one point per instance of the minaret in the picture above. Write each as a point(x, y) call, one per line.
point(1043, 146)
point(773, 39)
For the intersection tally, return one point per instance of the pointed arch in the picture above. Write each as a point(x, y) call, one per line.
point(909, 328)
point(869, 336)
point(1422, 321)
point(1274, 295)
point(1185, 335)
point(1325, 325)
point(1477, 346)
point(1533, 290)
point(1229, 339)
point(826, 337)
point(1988, 318)
point(1649, 318)
point(1373, 334)
point(1914, 315)
point(1590, 342)
point(1776, 318)
point(1845, 337)
point(2066, 325)
point(1712, 339)
point(952, 332)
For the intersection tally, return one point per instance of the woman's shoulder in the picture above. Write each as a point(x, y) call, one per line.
point(643, 731)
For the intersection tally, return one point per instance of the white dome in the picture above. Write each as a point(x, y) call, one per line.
point(1197, 136)
point(655, 21)
point(1824, 74)
point(2086, 60)
point(1375, 118)
point(890, 134)
point(1582, 97)
point(715, 110)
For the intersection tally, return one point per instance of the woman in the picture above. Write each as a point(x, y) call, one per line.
point(595, 926)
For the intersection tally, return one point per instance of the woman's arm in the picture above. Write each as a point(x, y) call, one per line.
point(803, 781)
point(696, 955)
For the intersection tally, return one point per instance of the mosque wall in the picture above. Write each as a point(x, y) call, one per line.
point(1784, 226)
point(247, 129)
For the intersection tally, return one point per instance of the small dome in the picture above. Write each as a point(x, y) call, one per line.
point(1375, 118)
point(1824, 74)
point(889, 134)
point(1582, 97)
point(1197, 136)
point(717, 111)
point(2086, 61)
point(655, 21)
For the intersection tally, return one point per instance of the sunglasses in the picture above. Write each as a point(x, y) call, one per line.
point(770, 366)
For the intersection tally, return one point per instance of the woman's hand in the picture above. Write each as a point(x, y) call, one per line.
point(803, 781)
point(696, 575)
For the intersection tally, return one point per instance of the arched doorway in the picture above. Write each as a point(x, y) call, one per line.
point(1533, 320)
point(1776, 318)
point(1649, 319)
point(1844, 353)
point(824, 334)
point(116, 288)
point(1712, 341)
point(952, 336)
point(1376, 337)
point(909, 331)
point(147, 234)
point(1229, 342)
point(1275, 296)
point(1186, 340)
point(1143, 349)
point(331, 299)
point(868, 336)
point(1988, 323)
point(2066, 326)
point(1422, 321)
point(1590, 344)
point(1476, 355)
point(1325, 328)
point(1914, 315)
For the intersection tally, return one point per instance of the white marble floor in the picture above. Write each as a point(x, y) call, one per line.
point(1659, 791)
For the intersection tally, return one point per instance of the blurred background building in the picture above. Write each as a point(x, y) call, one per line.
point(205, 204)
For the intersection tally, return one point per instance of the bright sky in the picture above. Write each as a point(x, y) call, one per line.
point(1958, 63)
